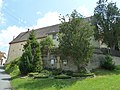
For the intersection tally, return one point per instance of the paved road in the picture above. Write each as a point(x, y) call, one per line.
point(4, 80)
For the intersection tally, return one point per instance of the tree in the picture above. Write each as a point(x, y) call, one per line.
point(46, 46)
point(106, 20)
point(74, 39)
point(31, 58)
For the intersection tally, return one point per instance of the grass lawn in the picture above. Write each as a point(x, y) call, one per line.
point(104, 80)
point(98, 83)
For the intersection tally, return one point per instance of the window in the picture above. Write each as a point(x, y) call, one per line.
point(54, 36)
point(52, 61)
point(65, 62)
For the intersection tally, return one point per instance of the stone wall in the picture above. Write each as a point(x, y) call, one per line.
point(97, 58)
point(94, 63)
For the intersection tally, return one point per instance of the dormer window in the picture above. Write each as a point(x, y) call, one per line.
point(54, 36)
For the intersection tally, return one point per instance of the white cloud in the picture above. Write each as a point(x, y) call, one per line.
point(7, 35)
point(84, 11)
point(49, 18)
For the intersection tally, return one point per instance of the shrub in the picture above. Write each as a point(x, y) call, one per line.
point(108, 63)
point(41, 75)
point(82, 70)
point(31, 60)
point(56, 71)
point(76, 74)
point(46, 72)
point(68, 72)
point(62, 76)
point(82, 75)
point(12, 67)
point(32, 74)
point(87, 75)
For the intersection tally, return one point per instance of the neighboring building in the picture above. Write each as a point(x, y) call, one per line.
point(16, 48)
point(2, 58)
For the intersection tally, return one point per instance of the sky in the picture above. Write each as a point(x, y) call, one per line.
point(17, 16)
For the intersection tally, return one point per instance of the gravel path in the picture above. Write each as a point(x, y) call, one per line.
point(4, 80)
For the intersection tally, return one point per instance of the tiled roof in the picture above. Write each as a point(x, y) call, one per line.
point(39, 33)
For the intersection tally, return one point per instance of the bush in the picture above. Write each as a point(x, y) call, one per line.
point(46, 72)
point(41, 75)
point(76, 75)
point(32, 74)
point(53, 71)
point(87, 75)
point(62, 76)
point(82, 75)
point(68, 72)
point(12, 68)
point(56, 71)
point(108, 63)
point(31, 60)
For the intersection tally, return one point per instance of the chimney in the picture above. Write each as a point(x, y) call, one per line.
point(28, 29)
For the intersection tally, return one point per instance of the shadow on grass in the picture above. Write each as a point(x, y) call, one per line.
point(15, 77)
point(43, 84)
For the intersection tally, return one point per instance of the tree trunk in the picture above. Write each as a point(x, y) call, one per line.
point(113, 47)
point(78, 67)
point(58, 62)
point(48, 55)
point(117, 47)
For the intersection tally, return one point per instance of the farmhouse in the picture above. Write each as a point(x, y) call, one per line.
point(16, 49)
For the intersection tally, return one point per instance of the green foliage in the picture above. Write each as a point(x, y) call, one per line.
point(110, 81)
point(108, 63)
point(82, 75)
point(31, 58)
point(68, 72)
point(12, 68)
point(56, 71)
point(33, 74)
point(106, 20)
point(41, 75)
point(47, 72)
point(62, 76)
point(46, 45)
point(74, 39)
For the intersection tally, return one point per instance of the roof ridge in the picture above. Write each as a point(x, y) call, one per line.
point(47, 27)
point(40, 32)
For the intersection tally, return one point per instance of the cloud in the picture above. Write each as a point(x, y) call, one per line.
point(7, 35)
point(84, 11)
point(49, 18)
